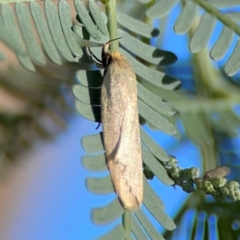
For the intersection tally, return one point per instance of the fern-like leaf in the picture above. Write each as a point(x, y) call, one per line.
point(206, 26)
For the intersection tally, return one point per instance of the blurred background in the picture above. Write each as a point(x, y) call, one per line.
point(42, 188)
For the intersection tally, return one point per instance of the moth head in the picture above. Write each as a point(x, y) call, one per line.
point(106, 55)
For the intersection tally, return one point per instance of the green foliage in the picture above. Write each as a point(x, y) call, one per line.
point(62, 41)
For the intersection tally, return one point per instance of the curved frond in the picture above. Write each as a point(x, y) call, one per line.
point(54, 27)
point(204, 29)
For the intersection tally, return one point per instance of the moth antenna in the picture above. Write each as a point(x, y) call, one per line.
point(106, 46)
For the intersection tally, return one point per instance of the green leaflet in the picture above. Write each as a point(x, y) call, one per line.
point(66, 24)
point(56, 30)
point(100, 185)
point(155, 206)
point(97, 17)
point(151, 196)
point(108, 213)
point(44, 33)
point(161, 8)
point(145, 51)
point(92, 79)
point(153, 147)
point(87, 95)
point(24, 21)
point(155, 102)
point(26, 62)
point(10, 32)
point(202, 34)
point(91, 113)
point(233, 64)
point(86, 20)
point(95, 163)
point(137, 230)
point(84, 42)
point(5, 37)
point(223, 43)
point(136, 26)
point(156, 119)
point(117, 232)
point(151, 231)
point(152, 76)
point(92, 143)
point(186, 17)
point(158, 170)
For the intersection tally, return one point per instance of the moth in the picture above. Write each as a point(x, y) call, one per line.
point(120, 123)
point(217, 173)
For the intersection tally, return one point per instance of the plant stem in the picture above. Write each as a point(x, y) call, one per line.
point(112, 23)
point(126, 220)
point(204, 70)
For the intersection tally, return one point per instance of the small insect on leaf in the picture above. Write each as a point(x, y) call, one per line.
point(217, 173)
point(120, 122)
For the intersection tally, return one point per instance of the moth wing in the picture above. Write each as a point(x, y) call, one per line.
point(121, 134)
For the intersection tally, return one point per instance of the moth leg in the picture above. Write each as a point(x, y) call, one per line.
point(98, 125)
point(95, 59)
